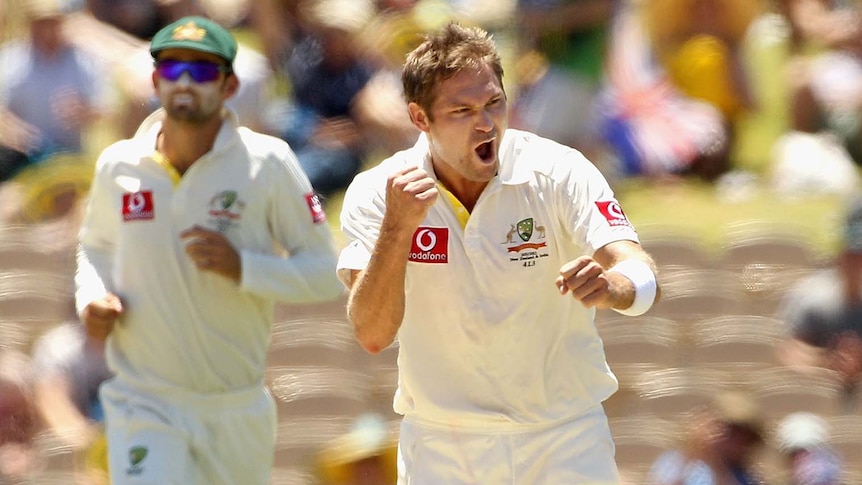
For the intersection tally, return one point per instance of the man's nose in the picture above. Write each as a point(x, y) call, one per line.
point(185, 79)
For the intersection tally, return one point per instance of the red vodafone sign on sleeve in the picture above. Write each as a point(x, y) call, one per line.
point(613, 212)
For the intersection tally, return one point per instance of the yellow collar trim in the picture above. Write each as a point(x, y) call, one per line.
point(461, 212)
point(173, 173)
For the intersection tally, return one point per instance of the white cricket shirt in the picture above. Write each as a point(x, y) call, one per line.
point(184, 327)
point(487, 341)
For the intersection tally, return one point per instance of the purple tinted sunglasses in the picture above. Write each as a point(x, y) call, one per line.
point(200, 71)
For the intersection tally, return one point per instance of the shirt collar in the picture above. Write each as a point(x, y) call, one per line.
point(513, 170)
point(152, 125)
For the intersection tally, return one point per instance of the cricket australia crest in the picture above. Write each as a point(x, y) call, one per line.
point(225, 210)
point(530, 244)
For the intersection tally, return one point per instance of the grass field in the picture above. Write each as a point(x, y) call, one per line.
point(698, 209)
point(703, 211)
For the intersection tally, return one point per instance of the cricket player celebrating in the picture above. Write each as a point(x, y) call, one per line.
point(486, 252)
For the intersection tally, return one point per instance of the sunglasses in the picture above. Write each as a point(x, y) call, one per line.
point(200, 71)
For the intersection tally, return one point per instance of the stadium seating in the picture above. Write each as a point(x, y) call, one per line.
point(735, 338)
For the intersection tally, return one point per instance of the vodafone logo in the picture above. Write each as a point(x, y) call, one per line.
point(425, 240)
point(430, 245)
point(613, 212)
point(138, 206)
point(316, 207)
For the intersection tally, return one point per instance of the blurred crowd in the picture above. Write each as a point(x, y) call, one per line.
point(727, 92)
point(709, 89)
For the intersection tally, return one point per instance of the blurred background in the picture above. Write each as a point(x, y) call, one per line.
point(730, 131)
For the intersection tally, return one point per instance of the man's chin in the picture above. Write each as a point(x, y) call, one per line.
point(185, 115)
point(487, 171)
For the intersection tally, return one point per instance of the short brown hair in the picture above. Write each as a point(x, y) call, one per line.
point(444, 54)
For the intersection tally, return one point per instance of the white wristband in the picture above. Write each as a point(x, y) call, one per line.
point(642, 276)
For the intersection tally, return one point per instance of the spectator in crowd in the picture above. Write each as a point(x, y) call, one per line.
point(822, 84)
point(327, 70)
point(559, 74)
point(365, 455)
point(68, 368)
point(277, 23)
point(50, 90)
point(823, 313)
point(341, 64)
point(700, 43)
point(141, 18)
point(722, 442)
point(803, 440)
point(380, 108)
point(663, 113)
point(19, 420)
point(826, 75)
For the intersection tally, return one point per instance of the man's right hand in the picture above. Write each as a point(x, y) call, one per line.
point(99, 316)
point(409, 195)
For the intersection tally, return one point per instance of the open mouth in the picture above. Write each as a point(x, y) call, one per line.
point(485, 151)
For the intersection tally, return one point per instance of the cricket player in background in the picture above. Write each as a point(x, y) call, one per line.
point(177, 269)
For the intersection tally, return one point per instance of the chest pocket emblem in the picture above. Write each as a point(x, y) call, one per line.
point(530, 244)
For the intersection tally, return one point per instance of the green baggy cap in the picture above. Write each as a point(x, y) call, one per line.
point(196, 33)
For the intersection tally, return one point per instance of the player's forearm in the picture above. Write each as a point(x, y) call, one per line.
point(92, 276)
point(376, 304)
point(631, 275)
point(621, 291)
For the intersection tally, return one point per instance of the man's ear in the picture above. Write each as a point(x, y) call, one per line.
point(419, 117)
point(231, 86)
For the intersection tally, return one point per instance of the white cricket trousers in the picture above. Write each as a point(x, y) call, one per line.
point(187, 438)
point(576, 452)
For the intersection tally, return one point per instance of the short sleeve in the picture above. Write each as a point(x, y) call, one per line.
point(361, 217)
point(589, 207)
